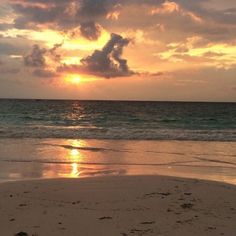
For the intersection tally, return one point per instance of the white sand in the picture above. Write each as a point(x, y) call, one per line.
point(110, 206)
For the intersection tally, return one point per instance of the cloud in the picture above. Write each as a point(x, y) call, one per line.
point(53, 52)
point(62, 14)
point(179, 17)
point(90, 30)
point(44, 61)
point(107, 63)
point(36, 58)
point(96, 8)
point(171, 7)
point(166, 7)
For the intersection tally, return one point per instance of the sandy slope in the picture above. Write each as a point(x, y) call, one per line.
point(110, 206)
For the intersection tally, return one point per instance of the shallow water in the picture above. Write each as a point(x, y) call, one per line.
point(55, 158)
point(51, 139)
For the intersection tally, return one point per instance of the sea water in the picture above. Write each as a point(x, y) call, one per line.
point(58, 138)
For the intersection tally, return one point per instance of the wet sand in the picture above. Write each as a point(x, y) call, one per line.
point(124, 205)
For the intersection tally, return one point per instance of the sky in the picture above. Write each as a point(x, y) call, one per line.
point(162, 50)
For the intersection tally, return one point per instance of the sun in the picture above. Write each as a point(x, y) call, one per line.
point(75, 79)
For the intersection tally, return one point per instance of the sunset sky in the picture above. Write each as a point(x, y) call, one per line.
point(118, 49)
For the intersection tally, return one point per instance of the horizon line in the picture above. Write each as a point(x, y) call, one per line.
point(115, 100)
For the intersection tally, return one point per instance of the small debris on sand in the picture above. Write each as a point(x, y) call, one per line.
point(148, 222)
point(186, 205)
point(21, 234)
point(105, 218)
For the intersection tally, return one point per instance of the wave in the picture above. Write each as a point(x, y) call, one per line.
point(116, 133)
point(174, 163)
point(92, 149)
point(101, 149)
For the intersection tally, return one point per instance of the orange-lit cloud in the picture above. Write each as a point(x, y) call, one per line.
point(166, 7)
point(169, 7)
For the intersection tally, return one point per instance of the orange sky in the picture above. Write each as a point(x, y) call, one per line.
point(117, 49)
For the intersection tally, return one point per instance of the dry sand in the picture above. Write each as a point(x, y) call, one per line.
point(110, 206)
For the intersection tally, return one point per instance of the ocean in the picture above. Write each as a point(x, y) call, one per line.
point(61, 138)
point(117, 120)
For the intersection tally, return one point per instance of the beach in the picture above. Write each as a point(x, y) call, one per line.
point(117, 168)
point(125, 205)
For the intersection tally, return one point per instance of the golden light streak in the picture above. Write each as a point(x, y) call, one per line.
point(87, 45)
point(71, 60)
point(219, 53)
point(16, 56)
point(49, 37)
point(75, 79)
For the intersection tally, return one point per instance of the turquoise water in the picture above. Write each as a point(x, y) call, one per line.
point(117, 120)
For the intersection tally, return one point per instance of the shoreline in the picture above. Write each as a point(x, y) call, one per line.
point(53, 158)
point(123, 205)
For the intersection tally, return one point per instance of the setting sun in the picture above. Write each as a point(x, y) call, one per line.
point(76, 80)
point(73, 79)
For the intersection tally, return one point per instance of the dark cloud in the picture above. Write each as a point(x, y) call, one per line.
point(53, 51)
point(107, 63)
point(36, 58)
point(64, 15)
point(96, 8)
point(216, 25)
point(90, 30)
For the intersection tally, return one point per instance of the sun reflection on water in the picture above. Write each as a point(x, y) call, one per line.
point(75, 156)
point(74, 170)
point(74, 152)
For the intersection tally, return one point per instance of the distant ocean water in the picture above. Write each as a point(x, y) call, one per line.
point(117, 120)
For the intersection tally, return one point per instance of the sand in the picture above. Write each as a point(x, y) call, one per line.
point(124, 205)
